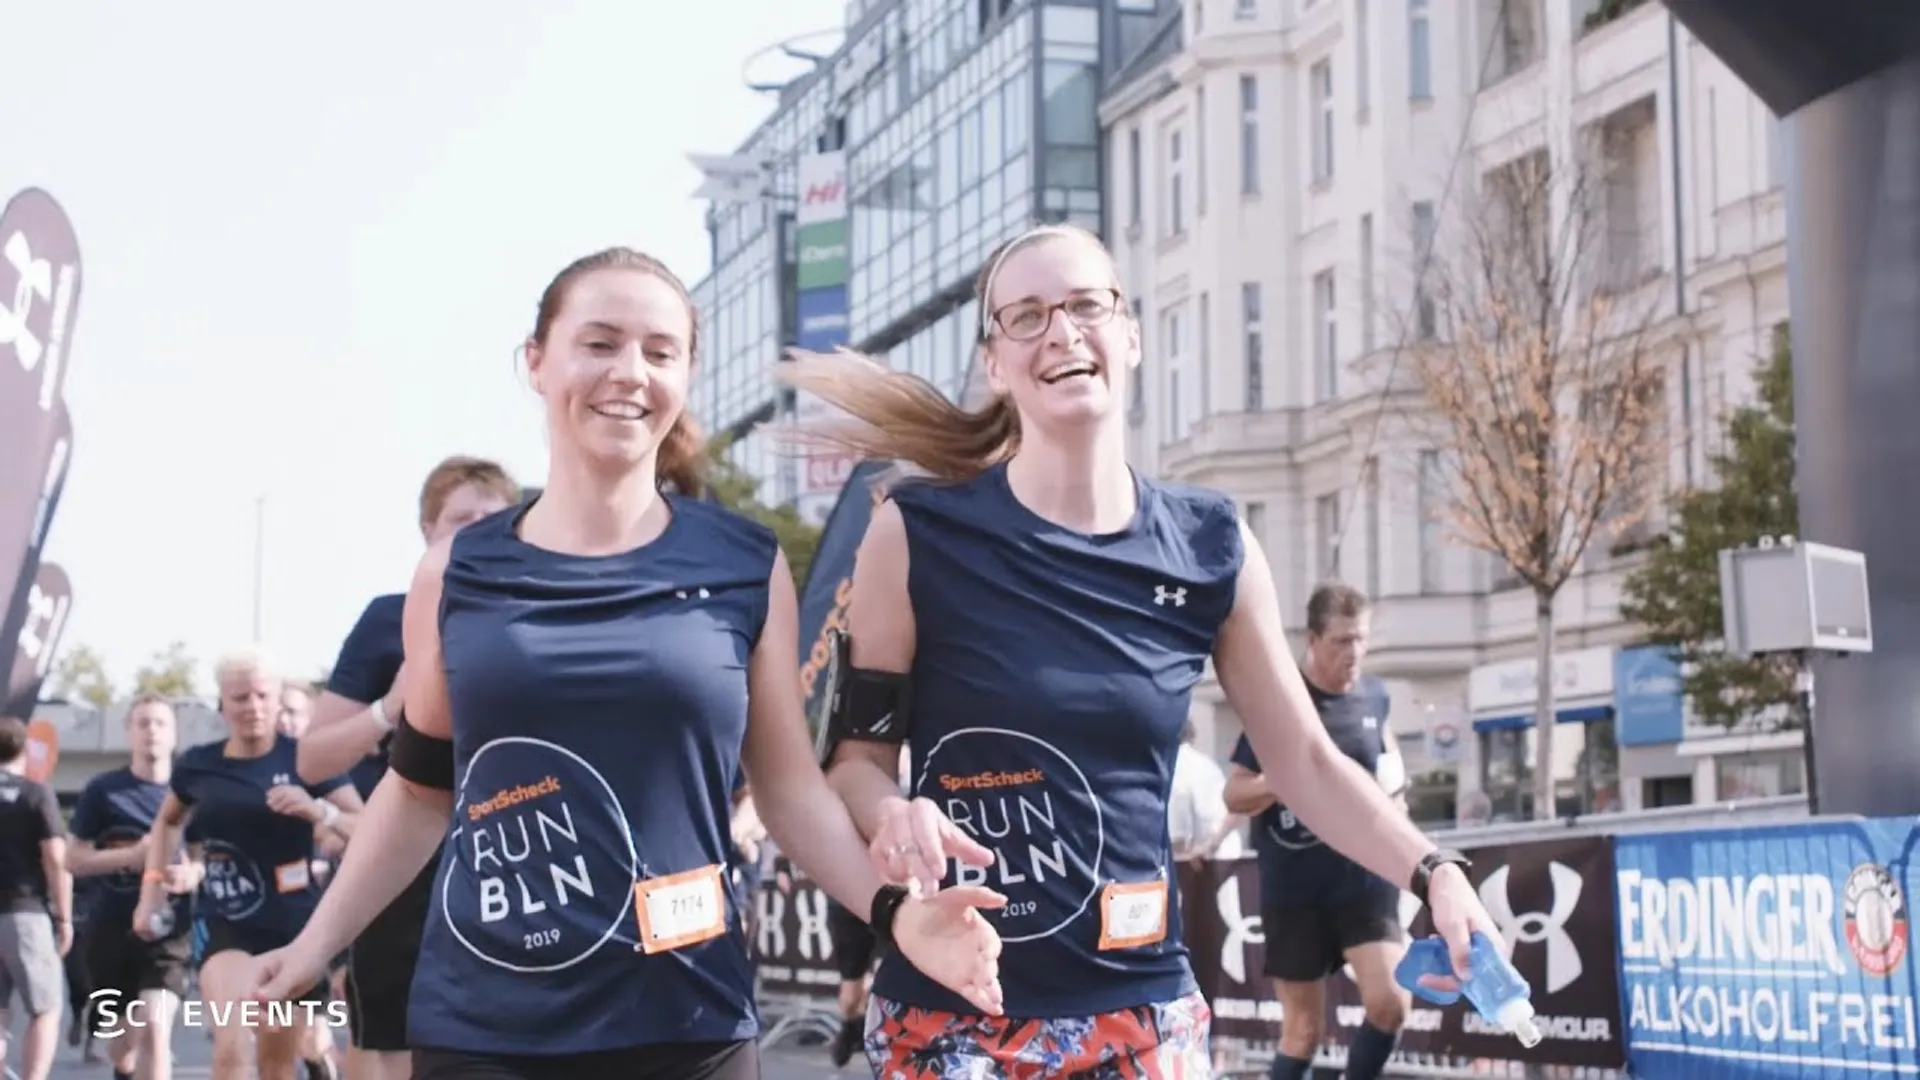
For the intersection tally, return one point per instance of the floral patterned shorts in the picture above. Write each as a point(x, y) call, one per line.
point(1150, 1042)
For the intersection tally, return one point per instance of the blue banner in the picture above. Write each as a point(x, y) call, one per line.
point(1648, 708)
point(1769, 952)
point(821, 318)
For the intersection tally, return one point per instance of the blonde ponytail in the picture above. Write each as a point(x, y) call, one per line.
point(894, 416)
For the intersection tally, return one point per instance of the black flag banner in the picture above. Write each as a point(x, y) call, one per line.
point(23, 688)
point(39, 300)
point(49, 599)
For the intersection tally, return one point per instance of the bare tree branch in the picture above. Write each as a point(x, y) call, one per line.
point(1540, 386)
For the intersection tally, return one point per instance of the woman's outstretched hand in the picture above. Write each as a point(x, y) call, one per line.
point(948, 939)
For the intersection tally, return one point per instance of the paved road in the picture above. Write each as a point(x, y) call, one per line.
point(192, 1048)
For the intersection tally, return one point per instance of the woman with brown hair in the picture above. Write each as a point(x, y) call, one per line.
point(1030, 619)
point(586, 674)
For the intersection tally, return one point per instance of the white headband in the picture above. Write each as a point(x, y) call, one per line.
point(993, 272)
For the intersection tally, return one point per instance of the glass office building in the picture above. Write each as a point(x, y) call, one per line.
point(962, 123)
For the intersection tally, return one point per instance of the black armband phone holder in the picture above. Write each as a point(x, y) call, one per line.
point(421, 759)
point(867, 706)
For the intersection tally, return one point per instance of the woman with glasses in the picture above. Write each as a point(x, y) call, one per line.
point(1031, 620)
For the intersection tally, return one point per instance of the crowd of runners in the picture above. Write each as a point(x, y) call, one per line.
point(506, 839)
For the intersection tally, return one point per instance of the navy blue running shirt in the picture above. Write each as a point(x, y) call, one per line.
point(115, 810)
point(1051, 679)
point(364, 671)
point(259, 871)
point(1297, 869)
point(598, 708)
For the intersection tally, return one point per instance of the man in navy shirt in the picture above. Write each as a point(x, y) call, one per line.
point(1321, 910)
point(111, 823)
point(349, 732)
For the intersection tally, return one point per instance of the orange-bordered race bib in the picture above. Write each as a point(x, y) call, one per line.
point(292, 877)
point(681, 909)
point(1133, 915)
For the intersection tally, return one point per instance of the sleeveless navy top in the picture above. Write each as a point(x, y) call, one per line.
point(1051, 679)
point(598, 708)
point(1297, 868)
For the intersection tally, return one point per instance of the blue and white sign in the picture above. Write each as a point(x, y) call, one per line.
point(1769, 952)
point(1648, 706)
point(821, 315)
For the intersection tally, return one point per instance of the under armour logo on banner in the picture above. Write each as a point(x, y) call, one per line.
point(1164, 596)
point(35, 281)
point(1540, 927)
point(810, 910)
point(1242, 931)
point(773, 937)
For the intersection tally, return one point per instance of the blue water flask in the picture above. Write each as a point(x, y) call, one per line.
point(1496, 990)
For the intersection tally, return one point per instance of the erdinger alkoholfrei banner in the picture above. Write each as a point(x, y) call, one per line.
point(39, 299)
point(1782, 951)
point(49, 599)
point(823, 599)
point(26, 656)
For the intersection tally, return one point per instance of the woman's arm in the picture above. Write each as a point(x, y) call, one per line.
point(1324, 788)
point(802, 813)
point(867, 774)
point(404, 822)
point(916, 838)
point(344, 731)
point(347, 811)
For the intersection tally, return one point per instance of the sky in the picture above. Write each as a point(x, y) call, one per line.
point(312, 237)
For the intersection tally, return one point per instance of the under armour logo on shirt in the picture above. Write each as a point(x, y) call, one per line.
point(281, 778)
point(682, 594)
point(1164, 596)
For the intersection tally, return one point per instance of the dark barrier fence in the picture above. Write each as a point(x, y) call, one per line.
point(1761, 953)
point(1553, 901)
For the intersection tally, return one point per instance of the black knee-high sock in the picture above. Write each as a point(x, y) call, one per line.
point(1369, 1053)
point(1288, 1068)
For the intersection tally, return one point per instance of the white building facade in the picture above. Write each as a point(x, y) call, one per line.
point(1274, 167)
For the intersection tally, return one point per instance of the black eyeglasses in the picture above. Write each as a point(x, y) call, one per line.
point(1024, 320)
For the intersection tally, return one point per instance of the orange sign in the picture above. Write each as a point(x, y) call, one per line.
point(43, 750)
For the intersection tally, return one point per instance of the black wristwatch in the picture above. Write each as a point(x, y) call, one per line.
point(1434, 860)
point(886, 904)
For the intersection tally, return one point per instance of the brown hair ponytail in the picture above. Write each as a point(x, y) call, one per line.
point(682, 458)
point(900, 417)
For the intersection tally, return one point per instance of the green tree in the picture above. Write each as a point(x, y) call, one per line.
point(1675, 593)
point(737, 490)
point(81, 675)
point(170, 673)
